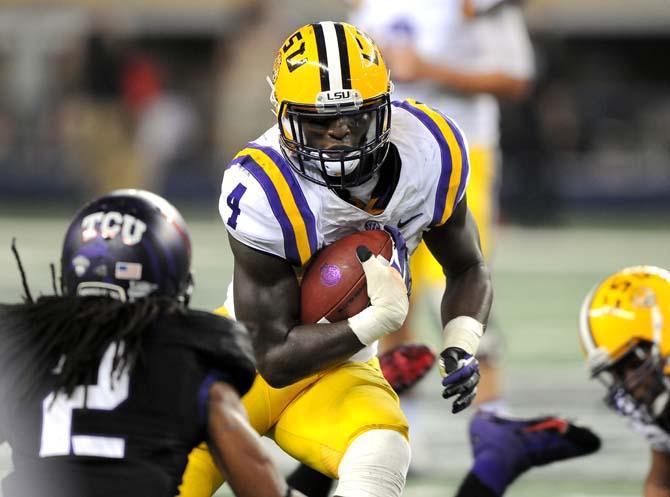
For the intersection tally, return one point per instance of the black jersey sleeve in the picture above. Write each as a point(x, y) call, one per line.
point(223, 345)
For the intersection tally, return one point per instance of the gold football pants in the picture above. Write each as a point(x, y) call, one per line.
point(313, 420)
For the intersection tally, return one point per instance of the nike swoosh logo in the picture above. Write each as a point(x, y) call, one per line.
point(402, 223)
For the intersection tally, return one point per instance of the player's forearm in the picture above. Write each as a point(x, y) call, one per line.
point(497, 84)
point(468, 293)
point(237, 450)
point(307, 349)
point(657, 483)
point(654, 489)
point(304, 350)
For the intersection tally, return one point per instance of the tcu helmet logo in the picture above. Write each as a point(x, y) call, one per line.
point(110, 224)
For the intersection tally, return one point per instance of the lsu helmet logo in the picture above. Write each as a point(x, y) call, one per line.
point(351, 98)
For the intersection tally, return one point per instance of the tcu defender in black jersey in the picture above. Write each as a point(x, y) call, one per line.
point(106, 389)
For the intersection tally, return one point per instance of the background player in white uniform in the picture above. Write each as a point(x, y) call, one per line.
point(458, 56)
point(625, 335)
point(334, 165)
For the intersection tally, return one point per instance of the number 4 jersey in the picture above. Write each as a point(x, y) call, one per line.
point(266, 205)
point(125, 434)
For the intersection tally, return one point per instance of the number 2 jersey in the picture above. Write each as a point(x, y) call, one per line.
point(123, 434)
point(266, 205)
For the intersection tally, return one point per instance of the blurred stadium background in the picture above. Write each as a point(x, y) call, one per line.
point(158, 93)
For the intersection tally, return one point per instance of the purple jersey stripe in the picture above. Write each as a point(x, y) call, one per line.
point(236, 160)
point(465, 162)
point(203, 394)
point(290, 243)
point(445, 155)
point(298, 195)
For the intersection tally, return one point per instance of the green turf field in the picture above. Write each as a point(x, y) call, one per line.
point(540, 277)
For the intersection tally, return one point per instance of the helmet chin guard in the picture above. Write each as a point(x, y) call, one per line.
point(351, 166)
point(637, 386)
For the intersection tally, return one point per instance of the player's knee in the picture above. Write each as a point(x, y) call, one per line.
point(374, 465)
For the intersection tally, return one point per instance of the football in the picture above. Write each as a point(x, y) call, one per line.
point(333, 285)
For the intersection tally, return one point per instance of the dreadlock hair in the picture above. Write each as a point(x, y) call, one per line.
point(71, 333)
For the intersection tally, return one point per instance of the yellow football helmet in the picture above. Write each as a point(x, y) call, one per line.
point(322, 72)
point(625, 334)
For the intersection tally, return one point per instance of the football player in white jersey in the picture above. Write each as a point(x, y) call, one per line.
point(343, 158)
point(460, 57)
point(625, 335)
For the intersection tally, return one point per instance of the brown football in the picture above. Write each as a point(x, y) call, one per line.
point(333, 285)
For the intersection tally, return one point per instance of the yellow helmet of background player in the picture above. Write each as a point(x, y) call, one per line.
point(625, 334)
point(630, 306)
point(323, 71)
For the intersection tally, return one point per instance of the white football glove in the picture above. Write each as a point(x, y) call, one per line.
point(388, 299)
